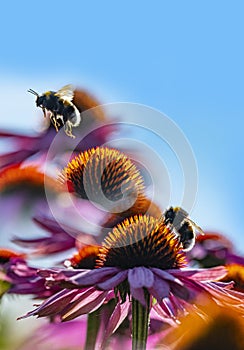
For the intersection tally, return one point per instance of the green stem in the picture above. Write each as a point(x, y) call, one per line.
point(93, 322)
point(140, 320)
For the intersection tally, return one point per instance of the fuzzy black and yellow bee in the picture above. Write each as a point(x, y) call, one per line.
point(185, 228)
point(63, 113)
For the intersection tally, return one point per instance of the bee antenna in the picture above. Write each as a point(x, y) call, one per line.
point(33, 92)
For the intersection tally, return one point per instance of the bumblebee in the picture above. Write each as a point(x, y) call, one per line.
point(62, 111)
point(185, 228)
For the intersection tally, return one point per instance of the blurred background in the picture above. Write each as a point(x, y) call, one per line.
point(184, 59)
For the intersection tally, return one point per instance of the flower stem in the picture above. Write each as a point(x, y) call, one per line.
point(93, 322)
point(140, 320)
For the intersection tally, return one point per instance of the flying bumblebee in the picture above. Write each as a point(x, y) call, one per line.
point(185, 228)
point(62, 111)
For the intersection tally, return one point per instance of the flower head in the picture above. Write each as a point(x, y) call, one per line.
point(105, 176)
point(23, 191)
point(85, 258)
point(26, 179)
point(22, 278)
point(221, 328)
point(213, 249)
point(141, 241)
point(130, 262)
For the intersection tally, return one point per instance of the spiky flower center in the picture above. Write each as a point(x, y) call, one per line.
point(85, 258)
point(142, 241)
point(7, 254)
point(26, 177)
point(105, 176)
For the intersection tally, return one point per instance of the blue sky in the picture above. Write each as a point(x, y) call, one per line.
point(183, 58)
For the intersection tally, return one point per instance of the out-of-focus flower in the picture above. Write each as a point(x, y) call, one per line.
point(235, 273)
point(26, 179)
point(105, 176)
point(214, 249)
point(92, 131)
point(221, 328)
point(58, 336)
point(141, 254)
point(20, 277)
point(117, 184)
point(59, 238)
point(72, 335)
point(23, 191)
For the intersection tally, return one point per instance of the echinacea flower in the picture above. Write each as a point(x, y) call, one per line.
point(72, 335)
point(105, 176)
point(57, 336)
point(235, 273)
point(214, 249)
point(221, 328)
point(109, 178)
point(60, 236)
point(20, 277)
point(23, 192)
point(141, 259)
point(120, 184)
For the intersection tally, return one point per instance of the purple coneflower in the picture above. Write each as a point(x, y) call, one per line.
point(20, 278)
point(214, 249)
point(23, 191)
point(222, 329)
point(141, 264)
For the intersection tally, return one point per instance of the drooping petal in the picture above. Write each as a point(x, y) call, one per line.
point(201, 275)
point(119, 314)
point(165, 275)
point(163, 313)
point(138, 294)
point(167, 307)
point(96, 276)
point(160, 288)
point(139, 277)
point(112, 282)
point(84, 305)
point(181, 292)
point(53, 304)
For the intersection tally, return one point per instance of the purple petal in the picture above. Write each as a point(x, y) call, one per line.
point(52, 305)
point(139, 277)
point(119, 314)
point(181, 292)
point(84, 305)
point(202, 275)
point(232, 258)
point(112, 282)
point(224, 294)
point(160, 288)
point(165, 275)
point(95, 276)
point(58, 274)
point(162, 313)
point(165, 309)
point(14, 158)
point(138, 294)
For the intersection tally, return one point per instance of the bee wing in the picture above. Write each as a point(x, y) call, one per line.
point(198, 228)
point(66, 92)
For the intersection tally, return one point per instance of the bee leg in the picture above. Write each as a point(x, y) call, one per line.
point(44, 112)
point(54, 121)
point(68, 129)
